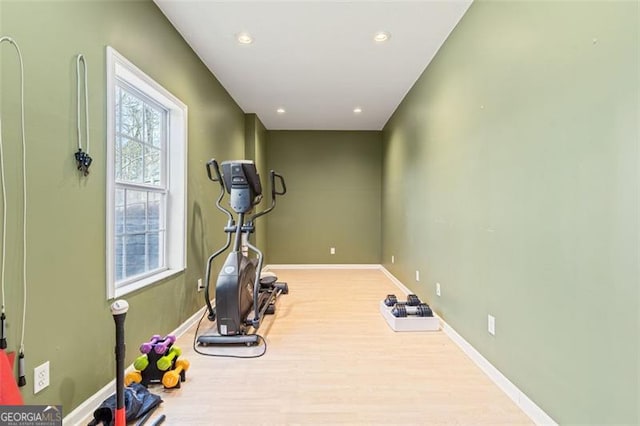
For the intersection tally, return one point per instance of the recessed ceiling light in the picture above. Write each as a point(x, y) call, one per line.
point(381, 36)
point(244, 38)
point(281, 111)
point(357, 110)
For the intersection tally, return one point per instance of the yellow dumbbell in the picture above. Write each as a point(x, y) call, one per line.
point(171, 378)
point(132, 377)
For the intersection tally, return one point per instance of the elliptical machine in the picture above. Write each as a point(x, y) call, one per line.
point(243, 293)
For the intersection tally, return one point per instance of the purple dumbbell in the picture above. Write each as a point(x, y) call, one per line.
point(145, 348)
point(162, 346)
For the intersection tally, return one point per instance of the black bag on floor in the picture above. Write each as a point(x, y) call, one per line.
point(138, 401)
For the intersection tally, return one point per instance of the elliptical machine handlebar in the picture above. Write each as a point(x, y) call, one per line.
point(273, 184)
point(274, 192)
point(216, 167)
point(213, 163)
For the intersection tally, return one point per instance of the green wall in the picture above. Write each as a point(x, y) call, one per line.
point(510, 176)
point(68, 317)
point(333, 199)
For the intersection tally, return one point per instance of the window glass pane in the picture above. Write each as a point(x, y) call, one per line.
point(119, 216)
point(154, 206)
point(119, 258)
point(131, 115)
point(117, 111)
point(151, 166)
point(135, 258)
point(153, 123)
point(139, 215)
point(156, 136)
point(154, 243)
point(132, 164)
point(118, 160)
point(135, 217)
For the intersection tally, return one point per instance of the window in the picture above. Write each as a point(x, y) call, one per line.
point(146, 179)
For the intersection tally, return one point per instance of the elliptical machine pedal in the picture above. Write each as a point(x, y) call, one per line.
point(283, 287)
point(268, 279)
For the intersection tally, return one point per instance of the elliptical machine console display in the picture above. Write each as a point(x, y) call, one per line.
point(243, 294)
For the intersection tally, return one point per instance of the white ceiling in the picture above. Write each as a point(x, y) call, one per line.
point(316, 59)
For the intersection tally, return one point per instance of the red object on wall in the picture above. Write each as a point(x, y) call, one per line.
point(9, 392)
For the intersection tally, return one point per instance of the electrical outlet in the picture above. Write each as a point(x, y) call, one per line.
point(393, 259)
point(40, 377)
point(491, 325)
point(417, 275)
point(438, 292)
point(200, 286)
point(332, 250)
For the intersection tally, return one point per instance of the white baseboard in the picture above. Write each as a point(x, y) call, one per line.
point(86, 409)
point(529, 407)
point(323, 266)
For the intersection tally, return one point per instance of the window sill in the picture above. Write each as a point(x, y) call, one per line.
point(145, 282)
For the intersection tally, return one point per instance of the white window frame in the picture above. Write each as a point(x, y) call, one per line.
point(119, 68)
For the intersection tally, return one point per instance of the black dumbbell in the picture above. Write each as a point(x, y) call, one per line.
point(402, 310)
point(413, 300)
point(390, 300)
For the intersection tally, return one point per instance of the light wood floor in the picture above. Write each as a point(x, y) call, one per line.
point(332, 359)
